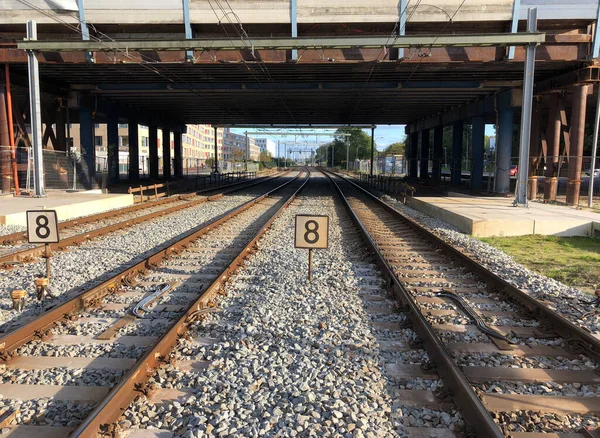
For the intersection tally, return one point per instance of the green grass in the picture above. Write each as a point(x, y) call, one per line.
point(574, 261)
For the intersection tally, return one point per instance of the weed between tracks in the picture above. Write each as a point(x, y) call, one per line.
point(574, 261)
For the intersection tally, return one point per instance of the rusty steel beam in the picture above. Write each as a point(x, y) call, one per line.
point(121, 396)
point(587, 75)
point(10, 341)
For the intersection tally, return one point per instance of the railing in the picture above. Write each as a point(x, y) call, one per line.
point(145, 193)
point(388, 184)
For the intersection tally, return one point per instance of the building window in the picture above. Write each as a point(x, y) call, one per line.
point(97, 125)
point(98, 140)
point(122, 125)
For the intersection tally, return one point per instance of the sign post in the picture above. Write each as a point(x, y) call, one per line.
point(42, 227)
point(312, 232)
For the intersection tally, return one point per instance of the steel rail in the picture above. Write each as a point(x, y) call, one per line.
point(8, 260)
point(12, 340)
point(20, 236)
point(472, 408)
point(564, 327)
point(120, 397)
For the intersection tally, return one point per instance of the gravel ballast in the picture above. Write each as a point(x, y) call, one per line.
point(92, 262)
point(291, 357)
point(573, 304)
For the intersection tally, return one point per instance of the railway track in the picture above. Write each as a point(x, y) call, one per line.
point(107, 334)
point(14, 251)
point(513, 366)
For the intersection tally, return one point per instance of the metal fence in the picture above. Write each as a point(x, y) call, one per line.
point(62, 170)
point(382, 165)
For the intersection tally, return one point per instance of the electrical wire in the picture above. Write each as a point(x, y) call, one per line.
point(143, 60)
point(244, 37)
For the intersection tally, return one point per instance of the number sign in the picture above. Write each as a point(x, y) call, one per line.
point(312, 231)
point(42, 226)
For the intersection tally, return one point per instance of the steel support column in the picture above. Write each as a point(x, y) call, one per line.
point(87, 148)
point(504, 149)
point(477, 152)
point(522, 173)
point(189, 55)
point(85, 32)
point(153, 149)
point(178, 153)
point(134, 149)
point(424, 156)
point(413, 147)
point(553, 149)
point(294, 23)
point(216, 166)
point(166, 148)
point(457, 147)
point(596, 43)
point(438, 152)
point(61, 126)
point(534, 151)
point(594, 149)
point(36, 115)
point(372, 149)
point(576, 139)
point(5, 150)
point(514, 26)
point(402, 24)
point(112, 140)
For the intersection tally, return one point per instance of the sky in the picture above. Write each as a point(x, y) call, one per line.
point(385, 135)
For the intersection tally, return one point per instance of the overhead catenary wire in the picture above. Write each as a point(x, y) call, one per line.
point(245, 38)
point(143, 60)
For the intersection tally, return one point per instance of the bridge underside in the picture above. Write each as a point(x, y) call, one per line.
point(306, 93)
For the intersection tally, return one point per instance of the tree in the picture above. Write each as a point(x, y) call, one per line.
point(358, 144)
point(266, 157)
point(238, 154)
point(395, 148)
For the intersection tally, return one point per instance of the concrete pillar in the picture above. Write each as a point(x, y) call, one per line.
point(438, 153)
point(5, 154)
point(178, 152)
point(504, 149)
point(412, 156)
point(553, 138)
point(61, 128)
point(576, 139)
point(477, 152)
point(88, 150)
point(424, 157)
point(112, 140)
point(134, 149)
point(153, 149)
point(457, 145)
point(166, 146)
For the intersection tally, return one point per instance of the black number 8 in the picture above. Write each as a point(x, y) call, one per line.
point(312, 230)
point(42, 230)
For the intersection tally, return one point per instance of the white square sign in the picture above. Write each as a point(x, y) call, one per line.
point(312, 231)
point(42, 226)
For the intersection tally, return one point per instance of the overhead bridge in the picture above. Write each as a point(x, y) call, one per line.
point(296, 63)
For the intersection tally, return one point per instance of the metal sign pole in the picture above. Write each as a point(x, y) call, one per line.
point(47, 256)
point(36, 115)
point(523, 171)
point(310, 264)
